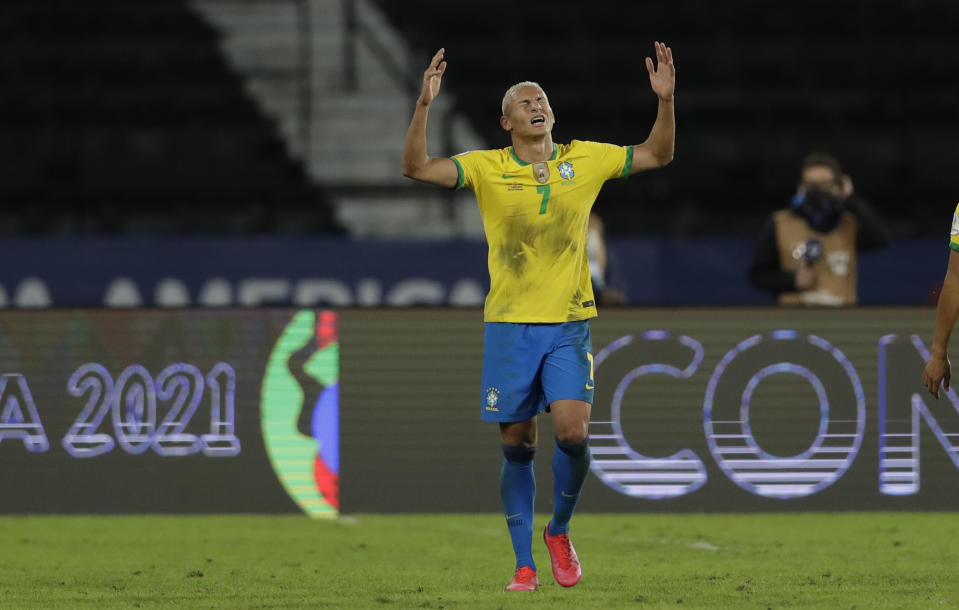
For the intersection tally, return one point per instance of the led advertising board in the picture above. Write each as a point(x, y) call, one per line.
point(281, 410)
point(169, 411)
point(695, 410)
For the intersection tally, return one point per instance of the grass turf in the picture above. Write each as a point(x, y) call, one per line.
point(845, 560)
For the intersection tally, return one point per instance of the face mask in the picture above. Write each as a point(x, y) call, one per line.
point(821, 210)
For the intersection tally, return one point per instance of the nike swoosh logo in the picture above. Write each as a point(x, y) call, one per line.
point(566, 495)
point(589, 387)
point(513, 516)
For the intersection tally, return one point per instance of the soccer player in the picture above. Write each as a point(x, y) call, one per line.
point(535, 198)
point(938, 369)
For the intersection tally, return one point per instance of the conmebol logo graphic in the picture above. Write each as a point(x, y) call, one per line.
point(299, 409)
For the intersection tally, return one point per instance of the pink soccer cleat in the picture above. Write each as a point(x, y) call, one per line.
point(566, 569)
point(524, 580)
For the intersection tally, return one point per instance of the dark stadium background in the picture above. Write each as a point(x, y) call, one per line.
point(124, 117)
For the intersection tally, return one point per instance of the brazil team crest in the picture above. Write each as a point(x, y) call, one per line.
point(492, 397)
point(566, 170)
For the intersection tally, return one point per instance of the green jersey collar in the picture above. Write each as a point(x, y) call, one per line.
point(512, 151)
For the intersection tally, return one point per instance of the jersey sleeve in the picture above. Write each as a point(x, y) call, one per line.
point(954, 231)
point(467, 168)
point(611, 160)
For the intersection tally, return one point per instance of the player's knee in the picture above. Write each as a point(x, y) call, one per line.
point(519, 434)
point(520, 440)
point(574, 450)
point(573, 434)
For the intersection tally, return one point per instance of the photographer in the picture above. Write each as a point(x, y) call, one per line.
point(806, 253)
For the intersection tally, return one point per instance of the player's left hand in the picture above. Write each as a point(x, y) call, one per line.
point(662, 77)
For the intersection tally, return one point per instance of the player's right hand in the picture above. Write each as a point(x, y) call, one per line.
point(433, 78)
point(938, 370)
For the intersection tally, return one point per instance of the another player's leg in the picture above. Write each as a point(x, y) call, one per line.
point(518, 493)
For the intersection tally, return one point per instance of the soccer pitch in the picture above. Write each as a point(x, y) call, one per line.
point(814, 560)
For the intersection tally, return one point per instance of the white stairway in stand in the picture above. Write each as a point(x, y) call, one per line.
point(357, 134)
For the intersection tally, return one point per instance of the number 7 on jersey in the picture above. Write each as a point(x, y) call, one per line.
point(544, 189)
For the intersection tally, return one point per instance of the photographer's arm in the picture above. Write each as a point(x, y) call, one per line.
point(871, 231)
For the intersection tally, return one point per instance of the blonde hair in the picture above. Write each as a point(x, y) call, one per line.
point(508, 96)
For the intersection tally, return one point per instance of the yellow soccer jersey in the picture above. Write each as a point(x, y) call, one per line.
point(535, 217)
point(954, 232)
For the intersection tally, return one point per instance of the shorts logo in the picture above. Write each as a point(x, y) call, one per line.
point(492, 397)
point(566, 170)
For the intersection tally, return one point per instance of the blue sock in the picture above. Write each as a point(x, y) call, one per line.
point(517, 489)
point(570, 465)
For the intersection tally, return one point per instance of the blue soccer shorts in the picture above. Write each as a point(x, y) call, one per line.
point(526, 367)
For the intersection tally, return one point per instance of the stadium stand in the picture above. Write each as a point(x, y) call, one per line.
point(156, 116)
point(759, 85)
point(363, 79)
point(123, 116)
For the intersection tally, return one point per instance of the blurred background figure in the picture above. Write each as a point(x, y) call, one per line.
point(806, 253)
point(607, 282)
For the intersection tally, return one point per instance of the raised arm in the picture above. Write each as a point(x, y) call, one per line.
point(938, 369)
point(417, 164)
point(657, 150)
